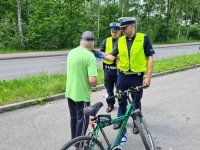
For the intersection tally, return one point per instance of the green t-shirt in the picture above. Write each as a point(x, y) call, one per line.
point(81, 64)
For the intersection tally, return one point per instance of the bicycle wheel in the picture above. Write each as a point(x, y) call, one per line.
point(83, 143)
point(144, 133)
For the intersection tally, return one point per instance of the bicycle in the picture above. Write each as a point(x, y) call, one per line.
point(99, 122)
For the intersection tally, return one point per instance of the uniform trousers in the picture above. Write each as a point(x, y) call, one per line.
point(123, 83)
point(78, 121)
point(110, 80)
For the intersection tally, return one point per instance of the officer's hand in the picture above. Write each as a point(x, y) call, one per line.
point(147, 81)
point(98, 54)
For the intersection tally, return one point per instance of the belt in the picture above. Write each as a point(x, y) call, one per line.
point(111, 67)
point(130, 73)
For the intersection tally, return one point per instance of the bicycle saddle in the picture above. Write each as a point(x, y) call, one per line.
point(92, 110)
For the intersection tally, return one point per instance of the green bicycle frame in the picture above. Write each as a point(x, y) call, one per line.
point(122, 119)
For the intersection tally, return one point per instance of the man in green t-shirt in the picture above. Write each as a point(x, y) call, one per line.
point(81, 77)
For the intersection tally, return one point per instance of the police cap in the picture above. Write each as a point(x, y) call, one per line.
point(115, 26)
point(124, 21)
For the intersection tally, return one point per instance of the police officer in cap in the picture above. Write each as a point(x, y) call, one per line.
point(110, 68)
point(135, 54)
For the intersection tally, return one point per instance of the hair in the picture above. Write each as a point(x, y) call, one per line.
point(87, 39)
point(86, 43)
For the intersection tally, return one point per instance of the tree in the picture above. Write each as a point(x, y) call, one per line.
point(20, 24)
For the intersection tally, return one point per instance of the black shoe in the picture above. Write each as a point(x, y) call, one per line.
point(135, 129)
point(116, 126)
point(109, 108)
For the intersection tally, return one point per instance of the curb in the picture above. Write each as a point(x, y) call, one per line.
point(32, 102)
point(33, 55)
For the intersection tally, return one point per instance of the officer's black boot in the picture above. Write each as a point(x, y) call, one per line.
point(109, 108)
point(135, 129)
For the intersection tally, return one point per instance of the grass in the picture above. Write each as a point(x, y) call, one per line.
point(18, 90)
point(179, 62)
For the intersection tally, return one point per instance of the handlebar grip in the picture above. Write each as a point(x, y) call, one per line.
point(138, 88)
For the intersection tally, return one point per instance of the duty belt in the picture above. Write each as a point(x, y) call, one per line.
point(131, 73)
point(111, 67)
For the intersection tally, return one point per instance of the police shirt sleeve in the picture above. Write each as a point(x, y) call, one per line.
point(103, 46)
point(92, 66)
point(115, 49)
point(148, 49)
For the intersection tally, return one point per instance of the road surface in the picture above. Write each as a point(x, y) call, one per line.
point(17, 68)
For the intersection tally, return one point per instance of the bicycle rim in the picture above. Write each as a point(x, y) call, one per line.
point(83, 143)
point(145, 133)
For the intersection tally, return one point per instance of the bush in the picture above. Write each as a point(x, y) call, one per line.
point(9, 35)
point(194, 32)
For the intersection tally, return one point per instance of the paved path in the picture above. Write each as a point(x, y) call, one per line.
point(170, 106)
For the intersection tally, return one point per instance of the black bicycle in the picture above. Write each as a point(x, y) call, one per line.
point(91, 141)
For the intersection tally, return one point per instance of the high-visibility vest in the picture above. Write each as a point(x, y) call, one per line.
point(137, 61)
point(109, 47)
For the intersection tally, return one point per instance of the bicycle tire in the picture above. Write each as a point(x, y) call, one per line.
point(72, 144)
point(144, 133)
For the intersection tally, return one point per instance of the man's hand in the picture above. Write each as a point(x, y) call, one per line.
point(98, 54)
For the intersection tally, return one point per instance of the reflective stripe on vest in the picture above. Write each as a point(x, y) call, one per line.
point(137, 61)
point(109, 47)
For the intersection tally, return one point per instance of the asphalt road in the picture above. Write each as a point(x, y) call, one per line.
point(17, 68)
point(171, 110)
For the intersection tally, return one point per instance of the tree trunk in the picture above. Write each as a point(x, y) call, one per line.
point(28, 10)
point(20, 24)
point(99, 4)
point(123, 5)
point(188, 29)
point(167, 20)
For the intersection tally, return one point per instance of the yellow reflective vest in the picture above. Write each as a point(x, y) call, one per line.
point(109, 47)
point(136, 61)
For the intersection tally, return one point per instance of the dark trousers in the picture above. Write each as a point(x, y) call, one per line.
point(78, 121)
point(123, 83)
point(110, 80)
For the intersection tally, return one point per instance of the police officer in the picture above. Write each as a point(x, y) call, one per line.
point(135, 54)
point(110, 68)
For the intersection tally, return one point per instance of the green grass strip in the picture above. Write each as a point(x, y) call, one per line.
point(19, 90)
point(31, 87)
point(179, 62)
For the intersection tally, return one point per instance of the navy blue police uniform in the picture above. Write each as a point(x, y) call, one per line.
point(128, 78)
point(126, 81)
point(110, 70)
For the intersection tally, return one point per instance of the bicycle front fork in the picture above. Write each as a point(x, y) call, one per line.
point(135, 113)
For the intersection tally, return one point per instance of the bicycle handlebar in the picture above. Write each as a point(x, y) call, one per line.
point(130, 90)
